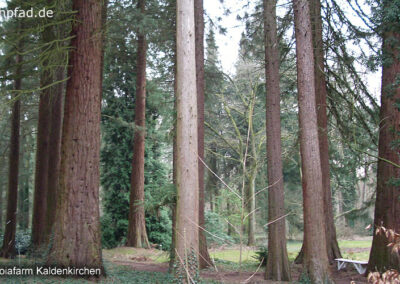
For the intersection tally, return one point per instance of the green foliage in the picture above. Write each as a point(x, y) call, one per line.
point(262, 255)
point(118, 129)
point(216, 227)
point(22, 241)
point(160, 229)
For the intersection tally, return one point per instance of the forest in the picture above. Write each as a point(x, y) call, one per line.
point(136, 147)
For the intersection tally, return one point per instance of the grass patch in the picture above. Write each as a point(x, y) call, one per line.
point(135, 254)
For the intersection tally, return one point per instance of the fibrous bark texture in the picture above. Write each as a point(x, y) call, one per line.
point(54, 150)
point(322, 119)
point(77, 240)
point(315, 254)
point(8, 248)
point(137, 236)
point(42, 152)
point(187, 175)
point(278, 268)
point(204, 257)
point(387, 206)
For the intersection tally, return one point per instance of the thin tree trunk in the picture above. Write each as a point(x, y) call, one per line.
point(187, 210)
point(204, 257)
point(8, 248)
point(251, 206)
point(77, 240)
point(278, 268)
point(54, 151)
point(387, 206)
point(322, 119)
point(315, 254)
point(137, 236)
point(23, 200)
point(1, 203)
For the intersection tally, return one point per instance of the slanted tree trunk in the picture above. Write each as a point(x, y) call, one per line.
point(204, 257)
point(8, 248)
point(77, 240)
point(387, 206)
point(278, 268)
point(137, 236)
point(54, 151)
point(315, 254)
point(187, 175)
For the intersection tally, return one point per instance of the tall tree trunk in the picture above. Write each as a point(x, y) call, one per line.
point(77, 240)
point(212, 179)
point(137, 236)
point(8, 248)
point(204, 257)
point(42, 150)
point(315, 254)
point(54, 150)
point(277, 263)
point(187, 210)
point(387, 206)
point(1, 203)
point(322, 119)
point(23, 195)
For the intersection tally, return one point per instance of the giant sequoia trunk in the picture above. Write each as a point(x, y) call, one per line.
point(54, 151)
point(204, 257)
point(137, 236)
point(77, 240)
point(187, 175)
point(315, 254)
point(8, 248)
point(322, 119)
point(42, 151)
point(332, 245)
point(387, 206)
point(277, 263)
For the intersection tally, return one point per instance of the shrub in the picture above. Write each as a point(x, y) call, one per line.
point(262, 255)
point(22, 241)
point(159, 229)
point(216, 228)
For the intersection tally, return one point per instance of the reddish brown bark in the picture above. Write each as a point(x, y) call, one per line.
point(204, 257)
point(315, 254)
point(8, 248)
point(54, 151)
point(187, 210)
point(278, 268)
point(77, 240)
point(42, 162)
point(333, 249)
point(387, 206)
point(137, 236)
point(322, 119)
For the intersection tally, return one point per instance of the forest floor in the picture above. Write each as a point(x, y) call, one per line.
point(226, 260)
point(129, 265)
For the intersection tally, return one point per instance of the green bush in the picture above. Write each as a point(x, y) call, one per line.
point(113, 232)
point(22, 241)
point(217, 227)
point(159, 229)
point(262, 255)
